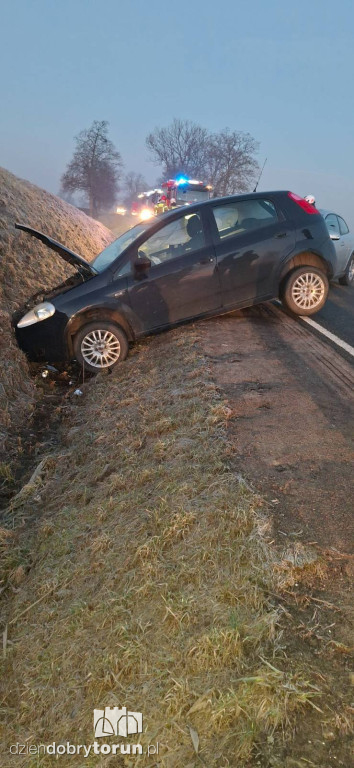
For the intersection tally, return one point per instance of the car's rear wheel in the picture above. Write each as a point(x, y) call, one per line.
point(305, 291)
point(348, 277)
point(100, 345)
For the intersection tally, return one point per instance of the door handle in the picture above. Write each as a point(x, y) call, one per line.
point(207, 260)
point(282, 234)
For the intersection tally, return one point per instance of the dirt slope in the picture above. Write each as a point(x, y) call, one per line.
point(26, 266)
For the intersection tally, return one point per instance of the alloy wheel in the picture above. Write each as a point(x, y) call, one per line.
point(308, 290)
point(100, 348)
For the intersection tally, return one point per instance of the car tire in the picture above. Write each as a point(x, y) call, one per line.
point(100, 346)
point(305, 291)
point(348, 277)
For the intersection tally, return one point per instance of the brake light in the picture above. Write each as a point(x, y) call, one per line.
point(307, 207)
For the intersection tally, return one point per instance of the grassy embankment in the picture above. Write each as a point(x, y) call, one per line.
point(27, 266)
point(146, 581)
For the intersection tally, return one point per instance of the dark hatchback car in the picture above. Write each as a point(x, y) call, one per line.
point(205, 259)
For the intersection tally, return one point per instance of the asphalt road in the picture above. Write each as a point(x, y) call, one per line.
point(338, 313)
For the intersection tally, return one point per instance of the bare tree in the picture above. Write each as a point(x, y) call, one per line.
point(95, 167)
point(134, 183)
point(231, 166)
point(225, 159)
point(179, 148)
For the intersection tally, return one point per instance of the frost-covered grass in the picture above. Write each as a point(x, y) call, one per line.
point(25, 267)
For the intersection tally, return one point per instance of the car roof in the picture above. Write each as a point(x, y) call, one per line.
point(229, 198)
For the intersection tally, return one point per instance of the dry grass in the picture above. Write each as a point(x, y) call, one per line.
point(150, 577)
point(27, 266)
point(299, 563)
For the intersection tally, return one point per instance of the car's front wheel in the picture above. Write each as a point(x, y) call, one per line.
point(305, 291)
point(348, 277)
point(100, 345)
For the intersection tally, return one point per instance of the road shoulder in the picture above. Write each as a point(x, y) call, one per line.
point(290, 401)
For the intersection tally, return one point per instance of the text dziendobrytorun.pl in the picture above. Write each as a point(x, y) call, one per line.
point(82, 749)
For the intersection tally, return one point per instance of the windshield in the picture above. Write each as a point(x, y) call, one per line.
point(192, 195)
point(106, 257)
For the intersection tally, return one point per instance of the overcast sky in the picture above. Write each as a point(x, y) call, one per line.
point(282, 71)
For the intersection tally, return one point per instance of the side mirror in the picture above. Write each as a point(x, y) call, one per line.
point(141, 265)
point(334, 236)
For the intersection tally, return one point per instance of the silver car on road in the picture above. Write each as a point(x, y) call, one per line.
point(343, 241)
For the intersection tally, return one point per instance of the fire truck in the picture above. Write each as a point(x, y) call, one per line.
point(182, 191)
point(174, 193)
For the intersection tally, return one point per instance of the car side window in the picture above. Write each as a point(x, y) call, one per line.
point(332, 223)
point(342, 226)
point(179, 237)
point(240, 217)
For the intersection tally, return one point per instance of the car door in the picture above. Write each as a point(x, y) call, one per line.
point(182, 281)
point(333, 228)
point(251, 238)
point(346, 243)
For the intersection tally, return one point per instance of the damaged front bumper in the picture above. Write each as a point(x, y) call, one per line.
point(44, 341)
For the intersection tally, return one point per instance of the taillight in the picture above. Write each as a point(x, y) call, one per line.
point(307, 207)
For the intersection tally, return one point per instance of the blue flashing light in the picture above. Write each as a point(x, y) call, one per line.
point(181, 180)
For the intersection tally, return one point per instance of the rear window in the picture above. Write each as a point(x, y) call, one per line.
point(191, 195)
point(240, 217)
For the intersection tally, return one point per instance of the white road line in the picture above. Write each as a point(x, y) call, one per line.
point(329, 335)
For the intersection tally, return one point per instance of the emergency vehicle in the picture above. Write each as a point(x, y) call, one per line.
point(174, 193)
point(144, 207)
point(182, 191)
